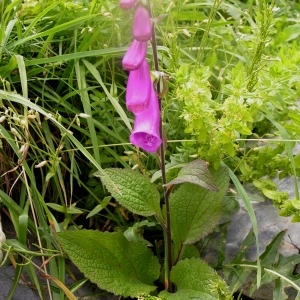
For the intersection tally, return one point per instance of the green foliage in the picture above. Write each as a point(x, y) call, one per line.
point(290, 208)
point(195, 211)
point(195, 172)
point(242, 101)
point(269, 189)
point(45, 136)
point(231, 79)
point(268, 159)
point(149, 297)
point(217, 135)
point(110, 260)
point(133, 190)
point(135, 233)
point(233, 97)
point(194, 279)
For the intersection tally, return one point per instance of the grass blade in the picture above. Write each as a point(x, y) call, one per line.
point(23, 101)
point(252, 217)
point(53, 30)
point(85, 99)
point(113, 101)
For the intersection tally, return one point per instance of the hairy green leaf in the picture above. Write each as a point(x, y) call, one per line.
point(194, 279)
point(195, 172)
point(133, 190)
point(195, 211)
point(111, 261)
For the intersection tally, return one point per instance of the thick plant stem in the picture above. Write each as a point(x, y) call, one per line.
point(168, 238)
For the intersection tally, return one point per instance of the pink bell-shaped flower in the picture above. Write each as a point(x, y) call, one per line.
point(142, 24)
point(145, 133)
point(127, 4)
point(138, 88)
point(135, 55)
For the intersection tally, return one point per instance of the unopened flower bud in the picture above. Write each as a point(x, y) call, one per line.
point(142, 25)
point(127, 4)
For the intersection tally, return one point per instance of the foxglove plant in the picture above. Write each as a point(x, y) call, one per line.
point(147, 132)
point(118, 262)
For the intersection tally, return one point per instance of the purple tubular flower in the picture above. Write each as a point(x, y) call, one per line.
point(138, 88)
point(135, 55)
point(127, 4)
point(145, 133)
point(142, 24)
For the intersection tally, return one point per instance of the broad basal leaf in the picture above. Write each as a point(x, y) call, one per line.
point(132, 190)
point(195, 172)
point(194, 279)
point(195, 211)
point(111, 261)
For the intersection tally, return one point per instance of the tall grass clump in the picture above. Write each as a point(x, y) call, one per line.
point(58, 114)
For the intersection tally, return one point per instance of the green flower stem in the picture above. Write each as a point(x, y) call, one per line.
point(168, 238)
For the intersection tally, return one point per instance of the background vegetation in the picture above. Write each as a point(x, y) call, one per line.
point(233, 96)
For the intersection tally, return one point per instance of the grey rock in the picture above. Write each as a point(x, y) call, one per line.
point(23, 291)
point(269, 225)
point(6, 281)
